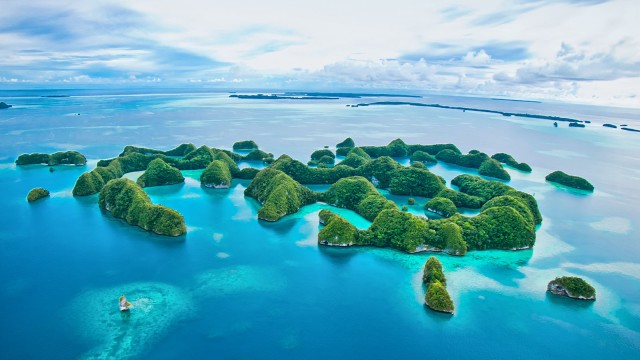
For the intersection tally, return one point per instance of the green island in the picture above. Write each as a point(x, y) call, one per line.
point(126, 200)
point(160, 173)
point(571, 181)
point(4, 105)
point(510, 161)
point(57, 158)
point(437, 297)
point(573, 287)
point(245, 145)
point(507, 218)
point(37, 194)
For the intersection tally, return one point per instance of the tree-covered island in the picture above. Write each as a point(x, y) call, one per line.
point(571, 181)
point(58, 158)
point(573, 287)
point(437, 297)
point(37, 194)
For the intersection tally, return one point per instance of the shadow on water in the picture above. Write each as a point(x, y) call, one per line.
point(437, 316)
point(281, 227)
point(338, 255)
point(137, 233)
point(164, 190)
point(574, 304)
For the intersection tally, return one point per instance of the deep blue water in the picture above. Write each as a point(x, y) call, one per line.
point(235, 287)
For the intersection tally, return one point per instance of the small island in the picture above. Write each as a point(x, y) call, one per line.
point(37, 194)
point(492, 168)
point(4, 105)
point(245, 145)
point(573, 287)
point(510, 161)
point(160, 173)
point(126, 200)
point(437, 297)
point(58, 158)
point(571, 181)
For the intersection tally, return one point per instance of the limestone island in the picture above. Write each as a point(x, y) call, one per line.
point(58, 158)
point(510, 161)
point(160, 173)
point(37, 194)
point(245, 145)
point(573, 287)
point(437, 297)
point(571, 181)
point(4, 106)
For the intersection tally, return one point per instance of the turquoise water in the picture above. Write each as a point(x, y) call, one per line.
point(235, 287)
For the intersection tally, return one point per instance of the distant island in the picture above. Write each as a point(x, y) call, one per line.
point(314, 96)
point(37, 194)
point(573, 287)
point(58, 158)
point(575, 182)
point(4, 106)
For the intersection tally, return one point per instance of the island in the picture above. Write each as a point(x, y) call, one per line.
point(58, 158)
point(571, 181)
point(572, 287)
point(245, 145)
point(610, 126)
point(492, 168)
point(576, 125)
point(160, 173)
point(510, 161)
point(4, 105)
point(216, 175)
point(347, 143)
point(437, 297)
point(126, 200)
point(441, 206)
point(37, 194)
point(423, 157)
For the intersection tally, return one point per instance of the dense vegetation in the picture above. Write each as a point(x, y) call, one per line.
point(509, 160)
point(492, 168)
point(575, 182)
point(160, 173)
point(414, 181)
point(433, 271)
point(336, 231)
point(126, 200)
point(216, 175)
point(58, 158)
point(441, 206)
point(472, 160)
point(347, 143)
point(423, 157)
point(37, 194)
point(278, 193)
point(438, 299)
point(257, 154)
point(574, 286)
point(245, 145)
point(452, 235)
point(357, 194)
point(396, 229)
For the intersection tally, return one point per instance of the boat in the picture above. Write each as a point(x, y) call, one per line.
point(124, 304)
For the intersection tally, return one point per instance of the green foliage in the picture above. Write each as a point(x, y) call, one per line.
point(477, 186)
point(492, 168)
point(247, 173)
point(181, 150)
point(513, 202)
point(575, 182)
point(460, 199)
point(380, 171)
point(509, 160)
point(342, 151)
point(216, 175)
point(398, 229)
point(396, 148)
point(347, 143)
point(126, 200)
point(575, 286)
point(452, 235)
point(160, 173)
point(411, 201)
point(336, 230)
point(245, 145)
point(414, 181)
point(306, 175)
point(58, 158)
point(405, 208)
point(349, 192)
point(472, 160)
point(37, 194)
point(441, 206)
point(423, 157)
point(257, 155)
point(501, 227)
point(529, 201)
point(433, 149)
point(433, 272)
point(326, 160)
point(373, 204)
point(318, 154)
point(355, 158)
point(437, 298)
point(278, 193)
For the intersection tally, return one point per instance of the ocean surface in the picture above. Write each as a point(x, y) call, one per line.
point(238, 288)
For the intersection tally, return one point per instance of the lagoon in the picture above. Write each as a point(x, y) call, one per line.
point(236, 287)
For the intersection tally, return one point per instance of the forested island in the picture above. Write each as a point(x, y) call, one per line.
point(437, 297)
point(58, 158)
point(565, 179)
point(573, 287)
point(37, 194)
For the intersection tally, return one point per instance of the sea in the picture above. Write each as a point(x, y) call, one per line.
point(235, 287)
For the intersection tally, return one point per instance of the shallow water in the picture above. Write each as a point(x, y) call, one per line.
point(235, 287)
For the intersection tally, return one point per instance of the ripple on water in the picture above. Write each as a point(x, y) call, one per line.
point(120, 335)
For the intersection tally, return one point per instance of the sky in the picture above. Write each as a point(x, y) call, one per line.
point(570, 50)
